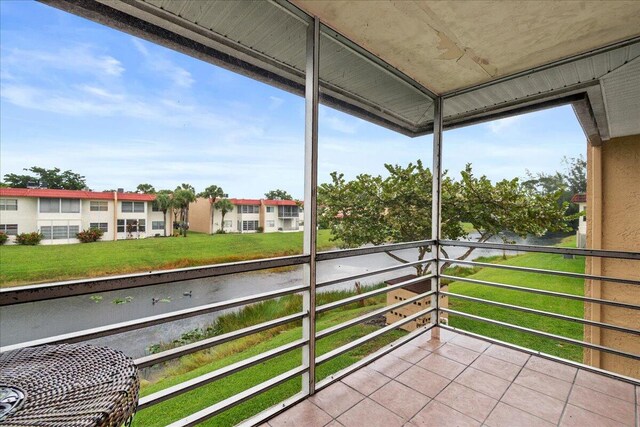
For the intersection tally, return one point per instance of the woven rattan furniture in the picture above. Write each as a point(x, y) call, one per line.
point(67, 385)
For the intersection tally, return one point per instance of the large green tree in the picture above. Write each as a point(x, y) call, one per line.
point(573, 180)
point(47, 178)
point(397, 208)
point(278, 194)
point(224, 206)
point(182, 197)
point(213, 193)
point(164, 203)
point(145, 189)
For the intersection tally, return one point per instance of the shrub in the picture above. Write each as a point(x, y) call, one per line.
point(221, 232)
point(3, 237)
point(29, 239)
point(260, 229)
point(90, 235)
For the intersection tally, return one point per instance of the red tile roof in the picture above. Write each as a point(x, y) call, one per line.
point(579, 198)
point(245, 201)
point(265, 201)
point(280, 202)
point(74, 194)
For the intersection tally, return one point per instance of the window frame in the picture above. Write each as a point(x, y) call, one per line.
point(4, 204)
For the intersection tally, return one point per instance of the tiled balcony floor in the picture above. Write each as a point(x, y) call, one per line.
point(462, 381)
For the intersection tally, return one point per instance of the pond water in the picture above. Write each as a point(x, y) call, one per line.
point(26, 322)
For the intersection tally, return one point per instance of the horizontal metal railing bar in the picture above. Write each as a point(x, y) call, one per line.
point(544, 313)
point(543, 292)
point(371, 315)
point(355, 343)
point(211, 411)
point(544, 249)
point(132, 325)
point(356, 298)
point(373, 357)
point(543, 271)
point(374, 272)
point(558, 359)
point(260, 418)
point(174, 353)
point(543, 334)
point(345, 253)
point(48, 291)
point(183, 387)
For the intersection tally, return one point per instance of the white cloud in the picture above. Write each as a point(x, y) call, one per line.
point(76, 59)
point(275, 103)
point(497, 126)
point(334, 122)
point(158, 62)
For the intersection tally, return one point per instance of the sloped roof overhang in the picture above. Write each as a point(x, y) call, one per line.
point(266, 41)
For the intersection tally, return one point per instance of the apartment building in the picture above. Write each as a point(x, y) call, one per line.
point(247, 216)
point(60, 214)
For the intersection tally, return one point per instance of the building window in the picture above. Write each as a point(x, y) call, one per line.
point(287, 211)
point(49, 205)
point(155, 208)
point(120, 226)
point(98, 206)
point(227, 223)
point(271, 223)
point(103, 226)
point(137, 207)
point(270, 209)
point(157, 225)
point(250, 209)
point(132, 225)
point(249, 225)
point(8, 204)
point(9, 229)
point(70, 205)
point(59, 232)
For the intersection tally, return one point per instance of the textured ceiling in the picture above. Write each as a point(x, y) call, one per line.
point(449, 45)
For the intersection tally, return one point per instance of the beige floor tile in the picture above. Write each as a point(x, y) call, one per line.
point(609, 386)
point(507, 416)
point(442, 366)
point(544, 384)
point(483, 382)
point(605, 405)
point(470, 343)
point(366, 380)
point(533, 402)
point(437, 414)
point(371, 414)
point(305, 414)
point(423, 381)
point(578, 417)
point(336, 399)
point(457, 353)
point(410, 353)
point(551, 368)
point(400, 399)
point(471, 403)
point(390, 366)
point(507, 355)
point(499, 368)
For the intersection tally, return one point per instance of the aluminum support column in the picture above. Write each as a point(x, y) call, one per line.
point(310, 204)
point(436, 209)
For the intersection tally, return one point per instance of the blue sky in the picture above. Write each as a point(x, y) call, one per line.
point(122, 111)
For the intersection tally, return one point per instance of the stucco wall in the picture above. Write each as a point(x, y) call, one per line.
point(200, 216)
point(613, 222)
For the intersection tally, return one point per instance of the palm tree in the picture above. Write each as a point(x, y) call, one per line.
point(213, 193)
point(182, 197)
point(224, 206)
point(164, 202)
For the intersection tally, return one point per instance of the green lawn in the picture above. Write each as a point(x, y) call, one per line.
point(45, 263)
point(540, 302)
point(241, 349)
